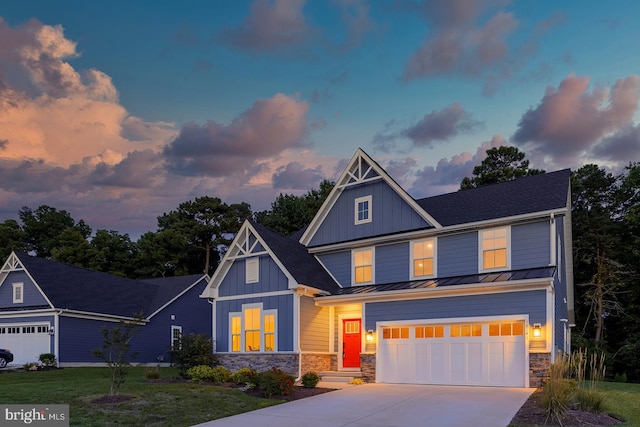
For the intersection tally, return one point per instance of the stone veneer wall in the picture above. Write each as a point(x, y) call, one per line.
point(539, 364)
point(316, 362)
point(260, 362)
point(368, 367)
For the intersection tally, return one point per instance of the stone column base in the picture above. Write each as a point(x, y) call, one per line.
point(539, 365)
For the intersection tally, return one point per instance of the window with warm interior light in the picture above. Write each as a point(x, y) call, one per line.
point(506, 329)
point(395, 333)
point(253, 329)
point(423, 258)
point(362, 210)
point(494, 248)
point(434, 331)
point(363, 266)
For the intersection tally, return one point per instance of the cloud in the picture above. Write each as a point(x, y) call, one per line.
point(295, 176)
point(458, 42)
point(436, 126)
point(267, 128)
point(621, 147)
point(446, 176)
point(270, 25)
point(569, 119)
point(355, 15)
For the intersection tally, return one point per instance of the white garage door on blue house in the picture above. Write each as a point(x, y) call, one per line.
point(27, 341)
point(474, 353)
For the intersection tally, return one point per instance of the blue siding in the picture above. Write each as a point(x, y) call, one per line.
point(271, 279)
point(527, 302)
point(77, 337)
point(530, 246)
point(392, 263)
point(282, 303)
point(32, 295)
point(390, 214)
point(339, 265)
point(457, 254)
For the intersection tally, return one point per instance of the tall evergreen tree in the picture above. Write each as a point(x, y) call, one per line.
point(501, 164)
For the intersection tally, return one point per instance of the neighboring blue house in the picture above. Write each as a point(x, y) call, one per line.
point(469, 288)
point(50, 307)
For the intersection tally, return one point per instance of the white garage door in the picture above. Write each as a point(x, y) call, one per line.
point(456, 354)
point(26, 341)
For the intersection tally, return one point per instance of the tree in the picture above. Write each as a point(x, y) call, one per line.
point(207, 224)
point(161, 254)
point(112, 252)
point(12, 238)
point(290, 213)
point(73, 248)
point(116, 345)
point(43, 227)
point(501, 164)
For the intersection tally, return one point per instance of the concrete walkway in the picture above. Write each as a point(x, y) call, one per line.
point(391, 405)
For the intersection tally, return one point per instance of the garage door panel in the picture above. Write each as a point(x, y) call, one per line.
point(26, 341)
point(465, 354)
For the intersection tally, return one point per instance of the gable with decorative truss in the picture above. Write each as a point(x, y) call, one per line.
point(12, 275)
point(365, 202)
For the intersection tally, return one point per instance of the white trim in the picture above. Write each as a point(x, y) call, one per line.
point(481, 268)
point(341, 317)
point(356, 217)
point(453, 229)
point(241, 315)
point(12, 264)
point(447, 291)
point(175, 328)
point(371, 249)
point(254, 295)
point(28, 313)
point(97, 316)
point(551, 325)
point(412, 275)
point(187, 289)
point(20, 286)
point(332, 330)
point(552, 240)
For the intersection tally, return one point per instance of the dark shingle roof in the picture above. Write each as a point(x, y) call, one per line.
point(169, 288)
point(294, 256)
point(74, 288)
point(536, 193)
point(486, 278)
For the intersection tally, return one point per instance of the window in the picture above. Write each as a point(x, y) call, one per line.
point(18, 293)
point(506, 329)
point(435, 331)
point(422, 255)
point(472, 330)
point(252, 270)
point(253, 329)
point(176, 334)
point(363, 266)
point(494, 247)
point(395, 333)
point(362, 210)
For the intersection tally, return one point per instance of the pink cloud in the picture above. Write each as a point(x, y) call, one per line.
point(570, 119)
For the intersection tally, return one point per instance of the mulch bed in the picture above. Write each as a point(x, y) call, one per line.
point(119, 398)
point(532, 413)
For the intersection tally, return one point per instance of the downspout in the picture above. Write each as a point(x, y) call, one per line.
point(56, 336)
point(300, 291)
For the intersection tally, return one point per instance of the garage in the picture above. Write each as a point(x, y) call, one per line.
point(477, 353)
point(26, 341)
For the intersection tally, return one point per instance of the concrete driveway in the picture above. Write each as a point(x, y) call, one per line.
point(390, 405)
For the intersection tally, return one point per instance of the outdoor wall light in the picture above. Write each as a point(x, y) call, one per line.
point(537, 330)
point(51, 330)
point(370, 335)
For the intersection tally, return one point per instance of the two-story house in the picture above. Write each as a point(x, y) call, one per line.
point(473, 287)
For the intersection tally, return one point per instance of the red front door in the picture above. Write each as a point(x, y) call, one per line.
point(351, 339)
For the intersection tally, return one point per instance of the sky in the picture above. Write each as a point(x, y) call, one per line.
point(119, 111)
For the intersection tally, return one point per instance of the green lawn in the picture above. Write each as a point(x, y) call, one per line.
point(155, 403)
point(623, 400)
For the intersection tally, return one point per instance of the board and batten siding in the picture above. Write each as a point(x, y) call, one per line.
point(512, 303)
point(314, 326)
point(530, 246)
point(271, 279)
point(338, 264)
point(31, 294)
point(392, 263)
point(457, 254)
point(282, 303)
point(390, 214)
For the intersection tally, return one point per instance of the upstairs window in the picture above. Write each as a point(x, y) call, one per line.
point(252, 270)
point(363, 266)
point(423, 258)
point(494, 248)
point(362, 210)
point(18, 293)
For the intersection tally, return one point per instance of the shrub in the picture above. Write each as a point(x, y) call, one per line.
point(590, 400)
point(556, 397)
point(200, 373)
point(356, 381)
point(47, 359)
point(620, 378)
point(275, 382)
point(310, 379)
point(220, 374)
point(30, 366)
point(244, 376)
point(193, 350)
point(152, 374)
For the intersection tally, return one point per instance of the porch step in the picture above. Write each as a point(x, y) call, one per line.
point(339, 376)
